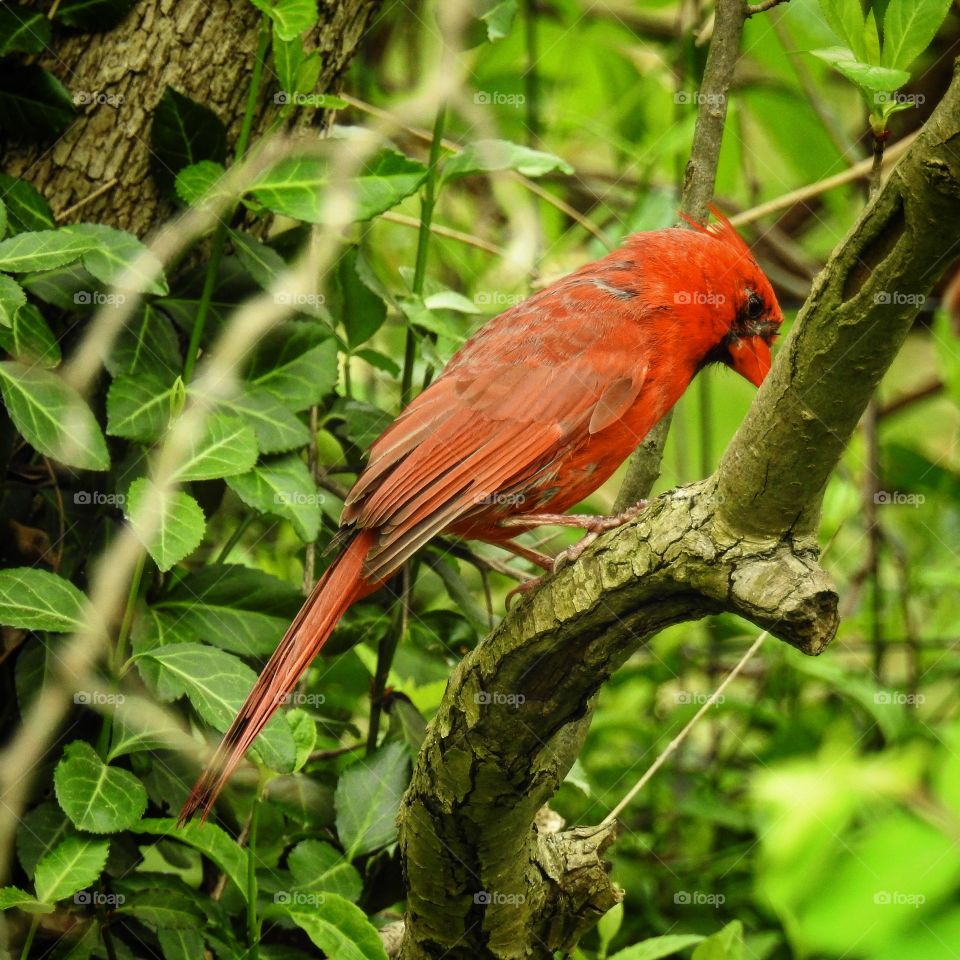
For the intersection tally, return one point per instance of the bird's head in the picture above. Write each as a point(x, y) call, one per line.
point(745, 317)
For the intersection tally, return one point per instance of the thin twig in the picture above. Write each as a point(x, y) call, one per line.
point(99, 192)
point(753, 8)
point(684, 733)
point(467, 238)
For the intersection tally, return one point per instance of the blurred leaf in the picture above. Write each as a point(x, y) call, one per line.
point(22, 30)
point(500, 19)
point(73, 864)
point(96, 797)
point(181, 944)
point(43, 249)
point(178, 525)
point(282, 486)
point(368, 797)
point(364, 311)
point(37, 600)
point(290, 17)
point(93, 16)
point(866, 76)
point(114, 254)
point(263, 263)
point(38, 832)
point(29, 339)
point(304, 731)
point(15, 898)
point(487, 156)
point(183, 133)
point(364, 422)
point(164, 909)
point(33, 101)
point(658, 947)
point(726, 944)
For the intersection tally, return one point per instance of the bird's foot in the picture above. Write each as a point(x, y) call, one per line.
point(522, 589)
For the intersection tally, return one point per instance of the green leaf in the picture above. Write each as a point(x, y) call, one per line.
point(486, 156)
point(277, 428)
point(184, 132)
point(368, 797)
point(43, 249)
point(283, 486)
point(304, 730)
point(217, 683)
point(139, 407)
point(147, 346)
point(29, 339)
point(227, 447)
point(364, 311)
point(96, 797)
point(862, 75)
point(22, 30)
point(320, 867)
point(12, 298)
point(845, 18)
point(295, 187)
point(93, 16)
point(73, 864)
point(239, 609)
point(38, 832)
point(291, 18)
point(114, 254)
point(181, 944)
point(726, 944)
point(909, 27)
point(34, 599)
point(33, 101)
point(26, 208)
point(339, 928)
point(14, 898)
point(194, 183)
point(212, 841)
point(175, 518)
point(263, 263)
point(164, 909)
point(658, 947)
point(297, 365)
point(52, 417)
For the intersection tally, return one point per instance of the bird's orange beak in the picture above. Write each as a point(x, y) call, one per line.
point(750, 357)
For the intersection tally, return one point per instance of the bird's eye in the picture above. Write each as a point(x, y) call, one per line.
point(754, 306)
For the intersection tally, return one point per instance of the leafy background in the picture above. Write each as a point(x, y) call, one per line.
point(815, 811)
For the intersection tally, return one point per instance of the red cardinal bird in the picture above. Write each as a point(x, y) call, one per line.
point(530, 416)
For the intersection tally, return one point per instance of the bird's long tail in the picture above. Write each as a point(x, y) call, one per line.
point(340, 586)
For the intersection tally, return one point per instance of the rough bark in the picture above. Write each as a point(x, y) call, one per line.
point(201, 48)
point(481, 881)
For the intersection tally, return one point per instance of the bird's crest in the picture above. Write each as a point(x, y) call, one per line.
point(721, 228)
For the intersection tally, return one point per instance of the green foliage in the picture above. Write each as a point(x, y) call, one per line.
point(812, 814)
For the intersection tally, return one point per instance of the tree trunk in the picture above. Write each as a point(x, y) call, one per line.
point(203, 49)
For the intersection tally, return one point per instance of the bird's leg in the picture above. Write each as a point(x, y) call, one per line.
point(593, 525)
point(537, 558)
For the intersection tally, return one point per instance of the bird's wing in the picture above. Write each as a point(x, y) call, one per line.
point(511, 402)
